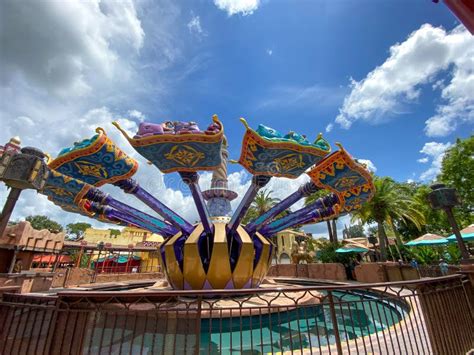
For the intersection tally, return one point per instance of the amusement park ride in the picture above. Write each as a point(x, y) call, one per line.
point(218, 252)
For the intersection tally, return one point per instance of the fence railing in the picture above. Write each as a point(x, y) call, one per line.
point(423, 317)
point(435, 270)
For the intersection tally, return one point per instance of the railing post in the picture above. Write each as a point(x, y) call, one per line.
point(332, 310)
point(198, 326)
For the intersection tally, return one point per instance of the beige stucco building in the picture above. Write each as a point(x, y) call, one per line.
point(128, 236)
point(283, 242)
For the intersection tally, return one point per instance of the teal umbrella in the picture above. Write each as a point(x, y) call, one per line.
point(427, 239)
point(351, 250)
point(465, 236)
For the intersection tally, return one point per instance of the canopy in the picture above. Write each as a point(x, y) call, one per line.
point(427, 239)
point(117, 259)
point(51, 258)
point(351, 249)
point(466, 233)
point(465, 236)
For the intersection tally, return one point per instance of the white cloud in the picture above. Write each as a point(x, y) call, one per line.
point(270, 52)
point(62, 46)
point(368, 163)
point(233, 7)
point(418, 60)
point(104, 39)
point(329, 127)
point(194, 25)
point(135, 114)
point(434, 151)
point(423, 160)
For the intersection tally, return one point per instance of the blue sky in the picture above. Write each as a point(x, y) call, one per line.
point(393, 81)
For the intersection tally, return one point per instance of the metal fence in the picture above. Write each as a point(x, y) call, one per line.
point(424, 317)
point(435, 270)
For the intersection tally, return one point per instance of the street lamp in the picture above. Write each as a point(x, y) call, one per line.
point(19, 170)
point(445, 198)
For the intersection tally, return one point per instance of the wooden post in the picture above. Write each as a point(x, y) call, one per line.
point(12, 264)
point(103, 264)
point(8, 208)
point(78, 261)
point(90, 259)
point(55, 265)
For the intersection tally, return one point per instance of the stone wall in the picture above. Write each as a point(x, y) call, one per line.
point(25, 283)
point(366, 272)
point(24, 236)
point(327, 271)
point(385, 272)
point(81, 276)
point(370, 273)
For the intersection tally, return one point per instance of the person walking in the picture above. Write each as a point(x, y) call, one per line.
point(443, 267)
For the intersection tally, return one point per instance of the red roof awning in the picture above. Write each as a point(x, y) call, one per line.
point(51, 258)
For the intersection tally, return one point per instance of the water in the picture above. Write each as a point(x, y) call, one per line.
point(305, 327)
point(357, 314)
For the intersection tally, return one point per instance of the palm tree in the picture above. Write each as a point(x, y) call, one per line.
point(332, 231)
point(390, 203)
point(261, 204)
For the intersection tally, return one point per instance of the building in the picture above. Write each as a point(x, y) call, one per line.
point(131, 241)
point(20, 244)
point(284, 242)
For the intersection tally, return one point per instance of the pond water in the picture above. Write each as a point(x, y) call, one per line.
point(357, 314)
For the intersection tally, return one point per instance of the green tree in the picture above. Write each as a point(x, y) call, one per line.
point(74, 254)
point(332, 231)
point(390, 203)
point(261, 204)
point(326, 252)
point(42, 222)
point(355, 231)
point(76, 231)
point(435, 220)
point(114, 232)
point(457, 170)
point(314, 196)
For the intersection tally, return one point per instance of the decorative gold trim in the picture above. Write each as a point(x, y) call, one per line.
point(251, 137)
point(219, 273)
point(97, 145)
point(244, 268)
point(262, 265)
point(93, 148)
point(174, 138)
point(193, 272)
point(174, 272)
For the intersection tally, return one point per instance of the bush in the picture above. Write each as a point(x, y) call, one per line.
point(327, 254)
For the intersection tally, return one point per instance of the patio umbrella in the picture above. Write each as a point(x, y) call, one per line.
point(466, 234)
point(427, 239)
point(352, 248)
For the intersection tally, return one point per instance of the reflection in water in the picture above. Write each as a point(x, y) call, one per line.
point(305, 327)
point(286, 329)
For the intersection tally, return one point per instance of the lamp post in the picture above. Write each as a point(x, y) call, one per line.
point(20, 170)
point(446, 198)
